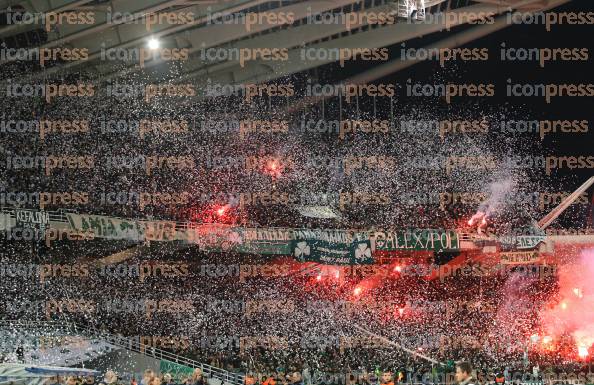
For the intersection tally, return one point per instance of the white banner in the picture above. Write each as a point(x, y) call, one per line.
point(520, 258)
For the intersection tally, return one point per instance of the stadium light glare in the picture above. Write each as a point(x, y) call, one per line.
point(153, 43)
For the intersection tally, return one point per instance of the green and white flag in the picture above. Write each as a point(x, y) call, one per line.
point(356, 253)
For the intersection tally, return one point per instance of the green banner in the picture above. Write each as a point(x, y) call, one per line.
point(265, 241)
point(324, 245)
point(176, 370)
point(107, 227)
point(416, 239)
point(521, 242)
point(356, 253)
point(213, 236)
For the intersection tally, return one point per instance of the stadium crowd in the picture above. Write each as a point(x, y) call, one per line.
point(307, 322)
point(209, 167)
point(290, 324)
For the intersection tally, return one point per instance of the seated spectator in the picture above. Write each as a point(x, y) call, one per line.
point(156, 380)
point(110, 378)
point(197, 378)
point(168, 379)
point(147, 377)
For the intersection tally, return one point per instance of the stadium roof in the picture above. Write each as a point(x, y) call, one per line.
point(109, 31)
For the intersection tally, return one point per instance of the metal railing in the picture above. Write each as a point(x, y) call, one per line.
point(60, 217)
point(131, 345)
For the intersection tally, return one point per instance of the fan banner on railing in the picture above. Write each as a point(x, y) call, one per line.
point(176, 370)
point(107, 227)
point(159, 231)
point(32, 219)
point(6, 222)
point(416, 240)
point(519, 258)
point(332, 247)
point(265, 241)
point(328, 253)
point(521, 241)
point(212, 237)
point(325, 245)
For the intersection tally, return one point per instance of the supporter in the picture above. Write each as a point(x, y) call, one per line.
point(20, 352)
point(386, 378)
point(269, 380)
point(110, 378)
point(464, 373)
point(147, 377)
point(500, 379)
point(167, 379)
point(156, 380)
point(250, 379)
point(306, 375)
point(56, 380)
point(197, 378)
point(294, 378)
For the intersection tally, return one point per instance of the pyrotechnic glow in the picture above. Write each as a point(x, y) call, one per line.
point(357, 291)
point(475, 217)
point(401, 310)
point(482, 216)
point(534, 338)
point(574, 314)
point(319, 277)
point(398, 269)
point(273, 168)
point(221, 211)
point(547, 340)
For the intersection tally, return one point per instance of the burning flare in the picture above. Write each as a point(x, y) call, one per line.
point(574, 311)
point(479, 216)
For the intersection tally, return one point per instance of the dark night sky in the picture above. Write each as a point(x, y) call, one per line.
point(497, 72)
